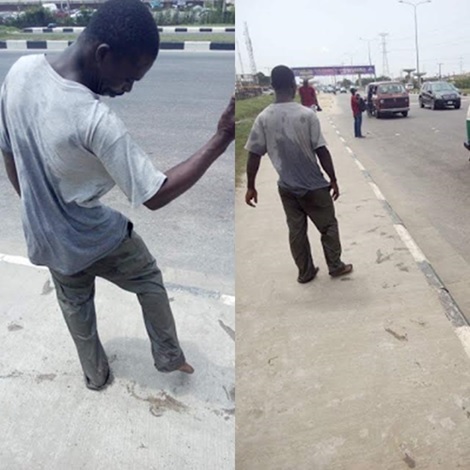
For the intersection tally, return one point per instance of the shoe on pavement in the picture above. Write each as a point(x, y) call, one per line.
point(96, 388)
point(343, 270)
point(311, 278)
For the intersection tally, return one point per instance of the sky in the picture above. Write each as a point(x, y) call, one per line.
point(302, 33)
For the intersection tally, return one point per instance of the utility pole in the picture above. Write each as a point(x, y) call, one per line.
point(251, 56)
point(240, 59)
point(440, 65)
point(368, 48)
point(415, 6)
point(461, 64)
point(385, 69)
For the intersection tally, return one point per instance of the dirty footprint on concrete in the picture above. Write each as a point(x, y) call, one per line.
point(14, 327)
point(158, 405)
point(47, 288)
point(396, 335)
point(45, 377)
point(227, 329)
point(381, 258)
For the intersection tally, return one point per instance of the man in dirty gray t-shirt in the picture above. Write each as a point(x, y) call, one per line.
point(64, 149)
point(291, 136)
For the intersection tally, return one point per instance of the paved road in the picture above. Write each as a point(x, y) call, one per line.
point(422, 168)
point(172, 112)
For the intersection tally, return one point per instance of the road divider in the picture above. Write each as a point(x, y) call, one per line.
point(162, 29)
point(192, 46)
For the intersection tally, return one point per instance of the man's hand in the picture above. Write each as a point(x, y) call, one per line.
point(334, 190)
point(251, 195)
point(226, 123)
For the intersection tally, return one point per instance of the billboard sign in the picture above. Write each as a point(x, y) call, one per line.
point(305, 72)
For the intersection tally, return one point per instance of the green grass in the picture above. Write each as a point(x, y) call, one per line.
point(245, 114)
point(13, 33)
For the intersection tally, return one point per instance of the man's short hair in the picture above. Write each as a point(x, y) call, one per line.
point(282, 78)
point(353, 90)
point(127, 26)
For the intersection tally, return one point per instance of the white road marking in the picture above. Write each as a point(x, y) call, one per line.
point(19, 260)
point(463, 333)
point(342, 140)
point(360, 165)
point(414, 249)
point(377, 191)
point(349, 150)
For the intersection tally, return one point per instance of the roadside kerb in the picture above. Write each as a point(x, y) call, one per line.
point(451, 308)
point(163, 29)
point(192, 46)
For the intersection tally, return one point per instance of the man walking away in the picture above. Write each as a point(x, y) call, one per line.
point(64, 149)
point(308, 96)
point(357, 113)
point(291, 135)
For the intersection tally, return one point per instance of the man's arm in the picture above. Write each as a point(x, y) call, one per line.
point(326, 163)
point(11, 171)
point(184, 175)
point(252, 167)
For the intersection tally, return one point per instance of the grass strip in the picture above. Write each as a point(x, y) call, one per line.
point(245, 114)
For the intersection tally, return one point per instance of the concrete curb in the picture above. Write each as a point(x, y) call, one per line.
point(451, 308)
point(193, 46)
point(163, 29)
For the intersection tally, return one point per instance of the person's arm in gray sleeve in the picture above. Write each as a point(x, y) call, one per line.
point(184, 175)
point(11, 171)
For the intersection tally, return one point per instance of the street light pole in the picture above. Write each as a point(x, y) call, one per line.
point(368, 48)
point(415, 7)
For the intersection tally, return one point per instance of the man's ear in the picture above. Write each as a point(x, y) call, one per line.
point(101, 53)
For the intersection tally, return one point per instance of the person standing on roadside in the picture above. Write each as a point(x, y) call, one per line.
point(308, 96)
point(64, 149)
point(357, 113)
point(291, 135)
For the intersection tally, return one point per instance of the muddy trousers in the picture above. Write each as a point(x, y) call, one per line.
point(319, 208)
point(133, 268)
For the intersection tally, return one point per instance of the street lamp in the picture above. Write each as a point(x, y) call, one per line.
point(368, 48)
point(415, 6)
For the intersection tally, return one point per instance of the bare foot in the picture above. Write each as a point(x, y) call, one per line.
point(186, 368)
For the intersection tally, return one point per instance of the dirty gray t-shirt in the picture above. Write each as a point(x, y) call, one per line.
point(290, 133)
point(69, 150)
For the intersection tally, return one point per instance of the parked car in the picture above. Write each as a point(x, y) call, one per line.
point(343, 90)
point(387, 98)
point(439, 95)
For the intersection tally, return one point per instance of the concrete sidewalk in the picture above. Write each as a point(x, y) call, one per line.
point(357, 373)
point(145, 419)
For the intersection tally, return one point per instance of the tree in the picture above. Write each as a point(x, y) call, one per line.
point(262, 79)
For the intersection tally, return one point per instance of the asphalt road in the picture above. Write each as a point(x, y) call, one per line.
point(171, 113)
point(422, 168)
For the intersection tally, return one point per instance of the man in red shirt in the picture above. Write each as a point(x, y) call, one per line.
point(357, 113)
point(308, 95)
